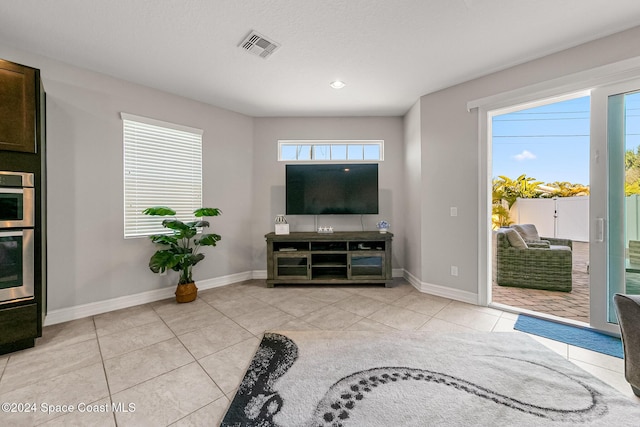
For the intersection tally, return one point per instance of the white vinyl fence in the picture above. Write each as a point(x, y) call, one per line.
point(568, 217)
point(633, 218)
point(561, 217)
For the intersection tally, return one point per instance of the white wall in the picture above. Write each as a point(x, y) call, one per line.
point(413, 179)
point(89, 260)
point(269, 176)
point(451, 156)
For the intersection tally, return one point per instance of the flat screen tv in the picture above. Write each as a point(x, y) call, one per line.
point(332, 189)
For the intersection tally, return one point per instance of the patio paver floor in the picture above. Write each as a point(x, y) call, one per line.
point(571, 305)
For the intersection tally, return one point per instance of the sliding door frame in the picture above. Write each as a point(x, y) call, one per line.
point(606, 256)
point(584, 81)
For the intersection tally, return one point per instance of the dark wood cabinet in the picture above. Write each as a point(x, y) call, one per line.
point(18, 107)
point(352, 257)
point(22, 149)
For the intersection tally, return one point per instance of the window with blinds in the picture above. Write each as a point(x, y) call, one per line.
point(162, 167)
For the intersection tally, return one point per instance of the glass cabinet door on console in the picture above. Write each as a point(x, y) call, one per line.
point(366, 265)
point(291, 266)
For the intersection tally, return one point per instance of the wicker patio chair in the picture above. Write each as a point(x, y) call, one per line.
point(542, 264)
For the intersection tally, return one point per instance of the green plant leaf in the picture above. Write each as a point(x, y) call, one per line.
point(189, 259)
point(175, 224)
point(162, 260)
point(198, 224)
point(181, 250)
point(159, 210)
point(164, 239)
point(207, 212)
point(188, 233)
point(208, 240)
point(194, 259)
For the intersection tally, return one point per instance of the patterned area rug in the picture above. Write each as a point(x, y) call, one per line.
point(319, 378)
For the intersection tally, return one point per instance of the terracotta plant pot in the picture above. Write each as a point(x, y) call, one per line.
point(187, 292)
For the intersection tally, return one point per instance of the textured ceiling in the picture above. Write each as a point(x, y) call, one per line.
point(389, 52)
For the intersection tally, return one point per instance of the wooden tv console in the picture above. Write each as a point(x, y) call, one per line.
point(343, 257)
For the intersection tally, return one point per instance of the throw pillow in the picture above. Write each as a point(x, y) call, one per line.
point(515, 239)
point(527, 231)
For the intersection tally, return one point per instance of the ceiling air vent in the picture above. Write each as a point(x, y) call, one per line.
point(259, 45)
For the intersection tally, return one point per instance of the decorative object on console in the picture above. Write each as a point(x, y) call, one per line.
point(181, 247)
point(328, 230)
point(383, 226)
point(282, 226)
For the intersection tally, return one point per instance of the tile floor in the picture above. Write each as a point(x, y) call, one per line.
point(179, 365)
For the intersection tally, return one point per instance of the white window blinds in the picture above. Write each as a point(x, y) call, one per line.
point(162, 167)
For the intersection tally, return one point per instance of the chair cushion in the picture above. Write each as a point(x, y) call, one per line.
point(542, 244)
point(527, 231)
point(515, 239)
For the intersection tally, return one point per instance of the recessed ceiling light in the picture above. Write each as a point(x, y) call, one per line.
point(337, 84)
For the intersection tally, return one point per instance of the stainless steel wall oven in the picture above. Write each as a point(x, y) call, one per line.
point(17, 218)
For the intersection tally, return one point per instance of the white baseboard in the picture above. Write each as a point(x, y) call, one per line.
point(397, 272)
point(99, 307)
point(441, 291)
point(91, 309)
point(260, 274)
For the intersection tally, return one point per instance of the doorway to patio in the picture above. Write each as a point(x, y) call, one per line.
point(539, 162)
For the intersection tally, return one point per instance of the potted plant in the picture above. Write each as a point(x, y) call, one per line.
point(181, 246)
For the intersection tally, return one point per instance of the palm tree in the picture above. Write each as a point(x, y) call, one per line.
point(507, 189)
point(567, 189)
point(500, 216)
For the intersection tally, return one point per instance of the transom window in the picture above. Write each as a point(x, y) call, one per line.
point(330, 150)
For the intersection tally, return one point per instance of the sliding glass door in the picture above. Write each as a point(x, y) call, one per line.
point(615, 199)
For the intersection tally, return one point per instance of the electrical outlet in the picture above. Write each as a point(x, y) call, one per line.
point(454, 211)
point(454, 270)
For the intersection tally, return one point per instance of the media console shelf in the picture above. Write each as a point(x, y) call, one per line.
point(344, 257)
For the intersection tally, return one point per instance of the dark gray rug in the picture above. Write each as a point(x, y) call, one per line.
point(369, 379)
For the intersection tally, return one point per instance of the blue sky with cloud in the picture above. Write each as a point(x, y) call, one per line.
point(551, 142)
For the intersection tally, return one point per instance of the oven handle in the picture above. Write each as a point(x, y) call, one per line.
point(13, 233)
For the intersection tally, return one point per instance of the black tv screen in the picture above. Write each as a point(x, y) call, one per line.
point(332, 189)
